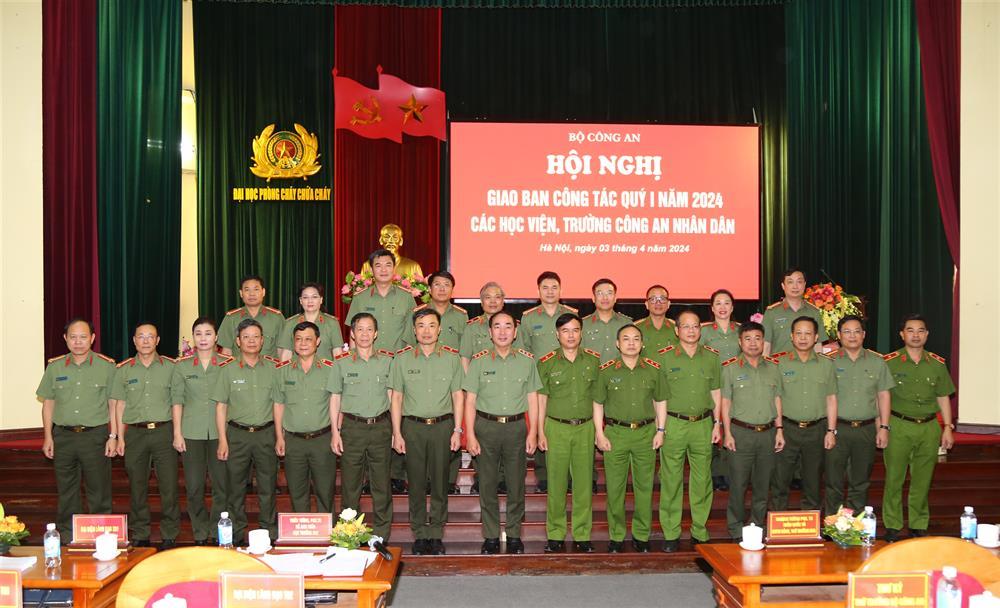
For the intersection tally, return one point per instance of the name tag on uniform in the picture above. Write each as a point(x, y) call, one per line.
point(190, 376)
point(536, 327)
point(675, 369)
point(413, 371)
point(133, 381)
point(62, 378)
point(239, 381)
point(788, 373)
point(841, 370)
point(289, 382)
point(352, 374)
point(489, 373)
point(781, 320)
point(741, 377)
point(615, 380)
point(554, 374)
point(369, 309)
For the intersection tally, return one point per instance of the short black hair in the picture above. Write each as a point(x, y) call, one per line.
point(790, 271)
point(847, 319)
point(593, 288)
point(808, 319)
point(76, 320)
point(750, 326)
point(304, 326)
point(690, 311)
point(548, 274)
point(248, 322)
point(136, 327)
point(380, 253)
point(425, 312)
point(566, 317)
point(658, 286)
point(913, 316)
point(361, 316)
point(203, 320)
point(444, 274)
point(314, 285)
point(500, 313)
point(618, 335)
point(252, 277)
point(719, 292)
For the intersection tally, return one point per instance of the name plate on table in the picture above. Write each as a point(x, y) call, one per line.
point(888, 590)
point(794, 529)
point(86, 529)
point(305, 529)
point(10, 589)
point(246, 590)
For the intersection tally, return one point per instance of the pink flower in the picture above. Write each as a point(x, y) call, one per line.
point(368, 282)
point(415, 292)
point(757, 317)
point(405, 283)
point(396, 277)
point(346, 289)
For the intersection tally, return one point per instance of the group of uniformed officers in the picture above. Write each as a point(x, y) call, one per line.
point(748, 406)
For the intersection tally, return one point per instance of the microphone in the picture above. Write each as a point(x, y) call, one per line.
point(375, 543)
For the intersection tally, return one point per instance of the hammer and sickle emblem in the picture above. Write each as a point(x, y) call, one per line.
point(371, 113)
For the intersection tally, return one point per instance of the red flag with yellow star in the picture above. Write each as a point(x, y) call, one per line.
point(363, 110)
point(419, 110)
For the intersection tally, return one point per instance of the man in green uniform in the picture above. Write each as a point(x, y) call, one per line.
point(476, 336)
point(78, 422)
point(453, 318)
point(426, 383)
point(863, 384)
point(501, 388)
point(195, 434)
point(657, 330)
point(723, 335)
point(751, 419)
point(600, 328)
point(694, 377)
point(144, 404)
point(270, 320)
point(630, 395)
point(809, 407)
point(778, 316)
point(566, 432)
point(923, 386)
point(302, 422)
point(244, 416)
point(359, 393)
point(331, 339)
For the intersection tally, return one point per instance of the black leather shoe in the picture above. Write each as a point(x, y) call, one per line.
point(640, 546)
point(917, 533)
point(420, 546)
point(398, 486)
point(593, 487)
point(366, 489)
point(436, 547)
point(543, 486)
point(168, 543)
point(614, 546)
point(671, 546)
point(474, 490)
point(697, 541)
point(140, 543)
point(583, 546)
point(555, 546)
point(891, 535)
point(796, 484)
point(454, 490)
point(491, 546)
point(514, 545)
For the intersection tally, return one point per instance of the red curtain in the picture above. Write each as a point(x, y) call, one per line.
point(939, 26)
point(377, 182)
point(69, 151)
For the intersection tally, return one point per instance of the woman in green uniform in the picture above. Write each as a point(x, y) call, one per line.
point(721, 334)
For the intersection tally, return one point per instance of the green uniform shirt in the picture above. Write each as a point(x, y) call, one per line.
point(80, 392)
point(751, 389)
point(569, 385)
point(502, 384)
point(859, 382)
point(538, 330)
point(778, 324)
point(453, 323)
point(603, 337)
point(363, 386)
point(330, 336)
point(304, 394)
point(476, 336)
point(271, 322)
point(426, 382)
point(247, 390)
point(191, 387)
point(394, 313)
point(918, 385)
point(628, 394)
point(805, 386)
point(691, 379)
point(145, 390)
point(655, 339)
point(726, 343)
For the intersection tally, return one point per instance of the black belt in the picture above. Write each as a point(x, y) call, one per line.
point(79, 428)
point(428, 421)
point(500, 419)
point(803, 424)
point(364, 420)
point(759, 428)
point(927, 418)
point(637, 424)
point(855, 424)
point(703, 415)
point(251, 428)
point(310, 434)
point(149, 425)
point(570, 421)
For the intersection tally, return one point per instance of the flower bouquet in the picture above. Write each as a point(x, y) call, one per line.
point(350, 531)
point(844, 528)
point(833, 304)
point(11, 531)
point(356, 282)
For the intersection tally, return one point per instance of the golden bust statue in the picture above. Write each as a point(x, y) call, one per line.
point(391, 237)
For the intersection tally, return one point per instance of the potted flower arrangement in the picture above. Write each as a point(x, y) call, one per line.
point(355, 282)
point(350, 532)
point(844, 528)
point(833, 304)
point(11, 531)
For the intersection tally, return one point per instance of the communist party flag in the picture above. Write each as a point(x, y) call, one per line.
point(396, 107)
point(421, 109)
point(360, 109)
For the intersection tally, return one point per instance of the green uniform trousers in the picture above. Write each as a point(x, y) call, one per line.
point(853, 458)
point(144, 450)
point(631, 449)
point(751, 465)
point(691, 441)
point(367, 448)
point(255, 450)
point(570, 456)
point(398, 466)
point(80, 455)
point(805, 448)
point(200, 458)
point(501, 443)
point(428, 452)
point(310, 461)
point(915, 446)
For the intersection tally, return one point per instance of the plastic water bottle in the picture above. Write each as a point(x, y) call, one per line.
point(949, 594)
point(968, 522)
point(870, 523)
point(53, 553)
point(226, 531)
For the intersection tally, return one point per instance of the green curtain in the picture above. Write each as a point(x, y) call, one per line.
point(862, 203)
point(522, 3)
point(257, 64)
point(138, 169)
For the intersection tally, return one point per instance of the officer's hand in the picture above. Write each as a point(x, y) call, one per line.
point(947, 438)
point(779, 441)
point(179, 444)
point(829, 441)
point(472, 445)
point(279, 446)
point(543, 442)
point(882, 439)
point(657, 440)
point(337, 444)
point(222, 452)
point(111, 448)
point(530, 444)
point(399, 444)
point(603, 444)
point(716, 434)
point(49, 448)
point(121, 446)
point(730, 443)
point(456, 442)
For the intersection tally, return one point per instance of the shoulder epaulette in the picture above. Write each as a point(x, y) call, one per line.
point(736, 323)
point(272, 359)
point(547, 357)
point(171, 359)
point(404, 349)
point(531, 310)
point(874, 352)
point(184, 358)
point(608, 364)
point(665, 350)
point(387, 353)
point(937, 358)
point(778, 303)
point(836, 353)
point(480, 353)
point(890, 356)
point(327, 363)
point(473, 320)
point(342, 355)
point(777, 356)
point(575, 310)
point(449, 349)
point(281, 364)
point(772, 359)
point(105, 357)
point(710, 349)
point(54, 359)
point(227, 362)
point(826, 355)
point(729, 360)
point(234, 311)
point(651, 362)
point(125, 362)
point(704, 323)
point(274, 310)
point(416, 308)
point(459, 308)
point(526, 353)
point(592, 352)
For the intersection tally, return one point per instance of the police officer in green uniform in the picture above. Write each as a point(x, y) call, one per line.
point(144, 404)
point(694, 377)
point(79, 425)
point(302, 422)
point(501, 389)
point(476, 336)
point(778, 316)
point(630, 412)
point(426, 383)
point(270, 320)
point(923, 386)
point(722, 334)
point(566, 432)
point(195, 434)
point(330, 337)
point(359, 396)
point(751, 419)
point(244, 416)
point(453, 318)
point(600, 328)
point(657, 330)
point(863, 384)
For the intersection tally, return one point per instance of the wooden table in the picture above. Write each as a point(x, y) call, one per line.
point(94, 583)
point(371, 588)
point(782, 577)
